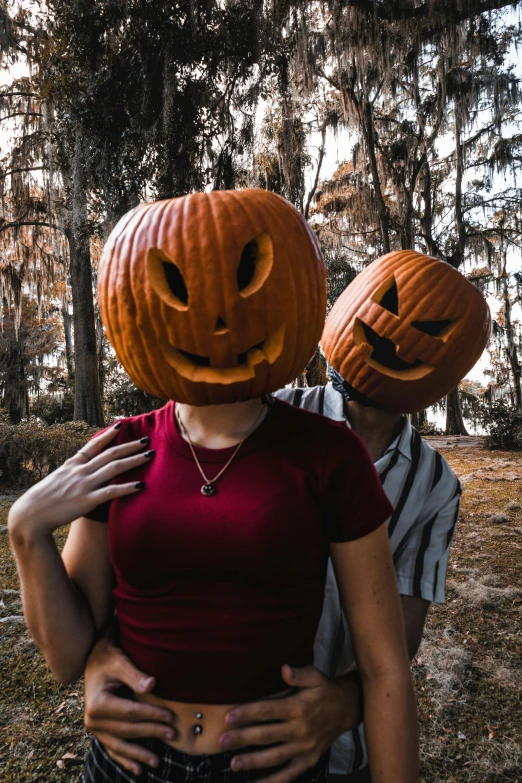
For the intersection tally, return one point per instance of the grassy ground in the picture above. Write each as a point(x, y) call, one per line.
point(468, 671)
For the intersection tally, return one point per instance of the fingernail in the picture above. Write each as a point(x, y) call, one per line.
point(139, 485)
point(146, 681)
point(150, 453)
point(153, 761)
point(146, 439)
point(168, 734)
point(136, 770)
point(231, 718)
point(237, 764)
point(225, 741)
point(117, 425)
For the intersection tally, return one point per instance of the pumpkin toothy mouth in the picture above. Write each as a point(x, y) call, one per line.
point(198, 368)
point(384, 354)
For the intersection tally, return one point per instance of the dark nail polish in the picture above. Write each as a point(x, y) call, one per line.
point(144, 440)
point(117, 425)
point(150, 453)
point(139, 485)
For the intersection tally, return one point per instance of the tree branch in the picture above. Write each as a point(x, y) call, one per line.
point(19, 171)
point(447, 10)
point(17, 224)
point(317, 173)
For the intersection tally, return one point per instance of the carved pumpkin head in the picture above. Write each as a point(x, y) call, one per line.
point(213, 297)
point(406, 331)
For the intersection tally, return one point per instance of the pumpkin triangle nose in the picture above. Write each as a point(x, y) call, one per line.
point(220, 327)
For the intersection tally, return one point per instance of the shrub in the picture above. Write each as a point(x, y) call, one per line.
point(30, 450)
point(428, 428)
point(53, 409)
point(504, 426)
point(124, 398)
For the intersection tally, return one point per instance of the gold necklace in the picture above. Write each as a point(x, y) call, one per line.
point(209, 487)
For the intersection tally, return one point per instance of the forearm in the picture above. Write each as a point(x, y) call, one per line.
point(350, 688)
point(391, 728)
point(56, 613)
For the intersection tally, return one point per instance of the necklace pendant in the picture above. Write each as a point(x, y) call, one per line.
point(208, 489)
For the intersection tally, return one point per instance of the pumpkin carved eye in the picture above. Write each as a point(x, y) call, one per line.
point(166, 279)
point(387, 296)
point(433, 328)
point(247, 265)
point(255, 264)
point(175, 281)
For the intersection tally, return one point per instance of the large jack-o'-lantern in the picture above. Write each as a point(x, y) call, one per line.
point(406, 331)
point(213, 297)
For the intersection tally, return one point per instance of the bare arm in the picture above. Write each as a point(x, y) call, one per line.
point(60, 617)
point(367, 585)
point(66, 601)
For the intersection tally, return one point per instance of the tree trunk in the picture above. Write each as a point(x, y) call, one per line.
point(419, 419)
point(427, 217)
point(67, 331)
point(16, 398)
point(87, 398)
point(316, 370)
point(454, 421)
point(458, 256)
point(511, 345)
point(369, 137)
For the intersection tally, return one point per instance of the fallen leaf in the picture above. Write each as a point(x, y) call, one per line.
point(59, 764)
point(69, 756)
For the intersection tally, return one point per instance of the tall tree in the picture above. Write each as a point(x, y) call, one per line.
point(25, 350)
point(134, 101)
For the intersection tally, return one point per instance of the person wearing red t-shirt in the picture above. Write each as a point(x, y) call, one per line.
point(207, 529)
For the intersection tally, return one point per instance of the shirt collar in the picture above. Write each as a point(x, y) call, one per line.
point(334, 409)
point(403, 440)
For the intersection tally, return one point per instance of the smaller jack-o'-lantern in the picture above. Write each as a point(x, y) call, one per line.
point(406, 331)
point(213, 297)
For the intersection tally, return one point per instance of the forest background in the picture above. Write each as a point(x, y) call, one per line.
point(104, 104)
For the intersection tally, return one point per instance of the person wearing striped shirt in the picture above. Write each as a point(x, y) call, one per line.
point(425, 494)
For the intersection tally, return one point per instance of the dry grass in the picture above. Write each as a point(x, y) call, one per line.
point(468, 671)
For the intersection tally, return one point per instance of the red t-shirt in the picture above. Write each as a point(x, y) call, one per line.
point(214, 594)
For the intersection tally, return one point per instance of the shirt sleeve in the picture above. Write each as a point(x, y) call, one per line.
point(356, 503)
point(423, 563)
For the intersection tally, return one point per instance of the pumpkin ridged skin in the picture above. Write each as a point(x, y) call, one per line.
point(429, 290)
point(281, 309)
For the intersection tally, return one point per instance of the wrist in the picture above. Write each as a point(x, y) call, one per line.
point(351, 688)
point(23, 529)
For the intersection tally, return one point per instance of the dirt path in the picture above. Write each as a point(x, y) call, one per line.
point(441, 442)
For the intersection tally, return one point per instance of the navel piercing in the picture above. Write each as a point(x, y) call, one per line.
point(198, 728)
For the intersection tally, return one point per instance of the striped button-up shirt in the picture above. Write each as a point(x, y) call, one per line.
point(425, 494)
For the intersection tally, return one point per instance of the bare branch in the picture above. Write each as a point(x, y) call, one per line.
point(19, 171)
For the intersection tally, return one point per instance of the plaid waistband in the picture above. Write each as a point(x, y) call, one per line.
point(178, 767)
